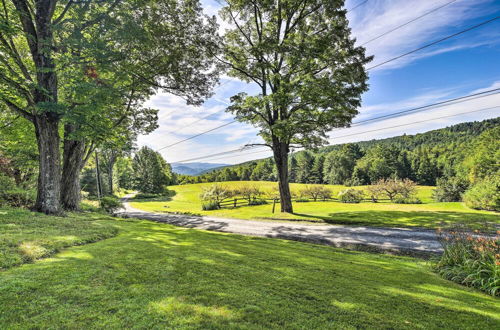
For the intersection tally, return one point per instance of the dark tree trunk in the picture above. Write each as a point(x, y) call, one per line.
point(73, 162)
point(280, 151)
point(49, 175)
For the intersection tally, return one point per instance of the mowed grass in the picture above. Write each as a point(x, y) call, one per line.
point(157, 276)
point(429, 214)
point(26, 236)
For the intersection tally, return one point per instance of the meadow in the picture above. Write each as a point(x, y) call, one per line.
point(186, 199)
point(142, 274)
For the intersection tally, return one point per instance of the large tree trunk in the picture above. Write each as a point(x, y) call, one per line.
point(49, 175)
point(73, 162)
point(280, 151)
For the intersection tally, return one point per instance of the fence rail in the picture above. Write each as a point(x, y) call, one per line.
point(236, 202)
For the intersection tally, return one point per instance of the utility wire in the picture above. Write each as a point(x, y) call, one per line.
point(409, 22)
point(452, 101)
point(358, 5)
point(214, 155)
point(415, 122)
point(434, 105)
point(435, 42)
point(195, 136)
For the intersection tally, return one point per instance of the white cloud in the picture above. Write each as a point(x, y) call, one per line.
point(421, 121)
point(380, 16)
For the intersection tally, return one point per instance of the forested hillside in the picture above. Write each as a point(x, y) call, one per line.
point(424, 158)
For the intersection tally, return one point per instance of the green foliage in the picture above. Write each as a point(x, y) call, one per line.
point(423, 158)
point(18, 198)
point(111, 204)
point(403, 191)
point(210, 205)
point(215, 194)
point(484, 195)
point(470, 259)
point(316, 192)
point(151, 172)
point(450, 189)
point(351, 196)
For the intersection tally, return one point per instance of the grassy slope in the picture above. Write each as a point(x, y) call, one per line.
point(158, 276)
point(429, 214)
point(26, 236)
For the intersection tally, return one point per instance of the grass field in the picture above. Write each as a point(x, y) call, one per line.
point(26, 236)
point(154, 275)
point(428, 214)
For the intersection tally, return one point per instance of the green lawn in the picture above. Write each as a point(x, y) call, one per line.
point(429, 214)
point(154, 275)
point(26, 236)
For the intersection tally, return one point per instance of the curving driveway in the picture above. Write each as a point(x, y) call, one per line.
point(393, 240)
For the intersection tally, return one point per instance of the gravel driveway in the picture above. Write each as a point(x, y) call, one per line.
point(411, 241)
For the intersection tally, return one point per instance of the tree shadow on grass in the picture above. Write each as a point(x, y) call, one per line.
point(404, 218)
point(155, 276)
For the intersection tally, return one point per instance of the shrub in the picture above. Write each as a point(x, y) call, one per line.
point(146, 196)
point(316, 192)
point(302, 200)
point(375, 192)
point(210, 205)
point(215, 193)
point(484, 195)
point(111, 204)
point(249, 192)
point(257, 201)
point(470, 259)
point(351, 195)
point(411, 200)
point(393, 188)
point(449, 189)
point(18, 198)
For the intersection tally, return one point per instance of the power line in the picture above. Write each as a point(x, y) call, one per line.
point(245, 154)
point(434, 105)
point(195, 136)
point(448, 102)
point(415, 122)
point(435, 42)
point(409, 22)
point(358, 5)
point(214, 155)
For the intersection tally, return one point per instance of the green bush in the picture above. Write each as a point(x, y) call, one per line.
point(302, 200)
point(111, 204)
point(351, 195)
point(484, 195)
point(146, 196)
point(410, 200)
point(470, 259)
point(6, 183)
point(210, 205)
point(449, 189)
point(18, 198)
point(257, 201)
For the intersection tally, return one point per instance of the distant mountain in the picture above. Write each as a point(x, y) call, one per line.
point(194, 168)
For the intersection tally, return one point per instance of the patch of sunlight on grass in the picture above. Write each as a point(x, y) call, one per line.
point(442, 301)
point(81, 255)
point(346, 305)
point(32, 251)
point(203, 260)
point(178, 306)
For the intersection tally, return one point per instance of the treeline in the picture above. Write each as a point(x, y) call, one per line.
point(423, 158)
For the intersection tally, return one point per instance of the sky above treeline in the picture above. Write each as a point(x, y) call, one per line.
point(459, 66)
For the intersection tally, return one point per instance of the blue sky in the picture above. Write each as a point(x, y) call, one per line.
point(459, 66)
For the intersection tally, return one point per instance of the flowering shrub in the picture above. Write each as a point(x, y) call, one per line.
point(470, 258)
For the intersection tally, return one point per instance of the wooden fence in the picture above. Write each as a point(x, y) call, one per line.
point(237, 202)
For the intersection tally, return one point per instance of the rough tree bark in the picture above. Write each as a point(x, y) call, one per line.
point(49, 172)
point(280, 152)
point(74, 160)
